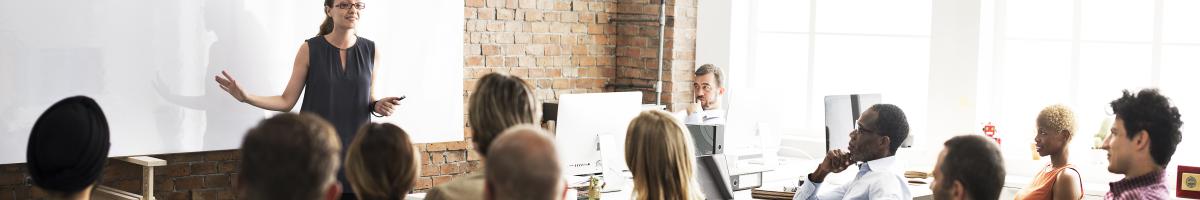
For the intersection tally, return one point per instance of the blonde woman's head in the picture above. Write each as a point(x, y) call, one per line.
point(500, 101)
point(659, 154)
point(381, 162)
point(1055, 128)
point(1057, 118)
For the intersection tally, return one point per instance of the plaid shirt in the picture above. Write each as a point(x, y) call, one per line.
point(1149, 186)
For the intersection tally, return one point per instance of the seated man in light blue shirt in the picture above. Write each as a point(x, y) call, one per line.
point(878, 135)
point(709, 89)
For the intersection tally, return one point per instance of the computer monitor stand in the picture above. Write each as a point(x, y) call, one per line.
point(611, 163)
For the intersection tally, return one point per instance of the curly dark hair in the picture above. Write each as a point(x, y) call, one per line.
point(1152, 112)
point(891, 123)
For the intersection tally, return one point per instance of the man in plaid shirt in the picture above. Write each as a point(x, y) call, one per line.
point(1142, 140)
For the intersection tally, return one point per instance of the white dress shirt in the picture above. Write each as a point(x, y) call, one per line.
point(876, 179)
point(706, 117)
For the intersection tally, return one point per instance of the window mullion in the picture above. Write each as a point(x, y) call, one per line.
point(1076, 29)
point(1156, 54)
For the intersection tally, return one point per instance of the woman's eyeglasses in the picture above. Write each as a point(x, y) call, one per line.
point(359, 5)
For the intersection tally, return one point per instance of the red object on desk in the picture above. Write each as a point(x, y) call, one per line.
point(990, 131)
point(1187, 182)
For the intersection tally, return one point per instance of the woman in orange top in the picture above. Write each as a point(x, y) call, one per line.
point(1059, 179)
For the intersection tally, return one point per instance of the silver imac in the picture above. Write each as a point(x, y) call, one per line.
point(585, 121)
point(841, 114)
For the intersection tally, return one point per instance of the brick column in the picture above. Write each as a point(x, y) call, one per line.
point(637, 50)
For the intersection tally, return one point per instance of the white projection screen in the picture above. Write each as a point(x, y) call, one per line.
point(150, 64)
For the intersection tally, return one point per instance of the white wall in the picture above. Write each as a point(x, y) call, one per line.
point(150, 65)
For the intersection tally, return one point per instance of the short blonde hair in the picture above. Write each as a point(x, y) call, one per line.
point(1057, 117)
point(381, 162)
point(659, 154)
point(500, 101)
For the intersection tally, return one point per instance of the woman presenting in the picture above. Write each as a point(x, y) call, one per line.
point(335, 66)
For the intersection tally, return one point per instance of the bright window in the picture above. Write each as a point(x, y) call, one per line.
point(1082, 54)
point(1035, 53)
point(801, 51)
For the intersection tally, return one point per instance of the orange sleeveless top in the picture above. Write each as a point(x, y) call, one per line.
point(1043, 184)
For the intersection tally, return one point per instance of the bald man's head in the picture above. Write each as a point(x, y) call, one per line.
point(523, 164)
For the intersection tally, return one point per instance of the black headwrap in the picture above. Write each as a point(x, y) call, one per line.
point(68, 145)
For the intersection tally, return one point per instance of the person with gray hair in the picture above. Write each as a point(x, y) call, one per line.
point(708, 88)
point(524, 165)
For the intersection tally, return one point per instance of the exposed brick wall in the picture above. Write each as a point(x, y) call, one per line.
point(637, 49)
point(201, 175)
point(12, 182)
point(441, 162)
point(560, 47)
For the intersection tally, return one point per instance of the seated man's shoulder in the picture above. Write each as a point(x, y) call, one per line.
point(887, 184)
point(465, 187)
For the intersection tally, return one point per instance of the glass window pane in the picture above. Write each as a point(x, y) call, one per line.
point(782, 15)
point(777, 80)
point(896, 67)
point(1178, 81)
point(1032, 69)
point(1032, 75)
point(1181, 21)
point(1119, 20)
point(907, 17)
point(1050, 19)
point(1105, 70)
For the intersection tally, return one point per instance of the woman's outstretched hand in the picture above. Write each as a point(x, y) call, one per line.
point(386, 105)
point(230, 85)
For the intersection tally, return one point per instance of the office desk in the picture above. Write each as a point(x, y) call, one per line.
point(788, 175)
point(627, 193)
point(789, 172)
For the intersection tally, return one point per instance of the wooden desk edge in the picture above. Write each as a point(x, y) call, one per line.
point(145, 161)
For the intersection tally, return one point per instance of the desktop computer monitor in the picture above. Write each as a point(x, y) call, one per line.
point(587, 120)
point(841, 114)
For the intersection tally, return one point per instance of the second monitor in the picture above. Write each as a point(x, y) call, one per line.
point(587, 120)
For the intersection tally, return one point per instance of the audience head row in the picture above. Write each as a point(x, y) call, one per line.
point(296, 156)
point(1142, 140)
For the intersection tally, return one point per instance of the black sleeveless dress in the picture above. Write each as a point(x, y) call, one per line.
point(341, 96)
